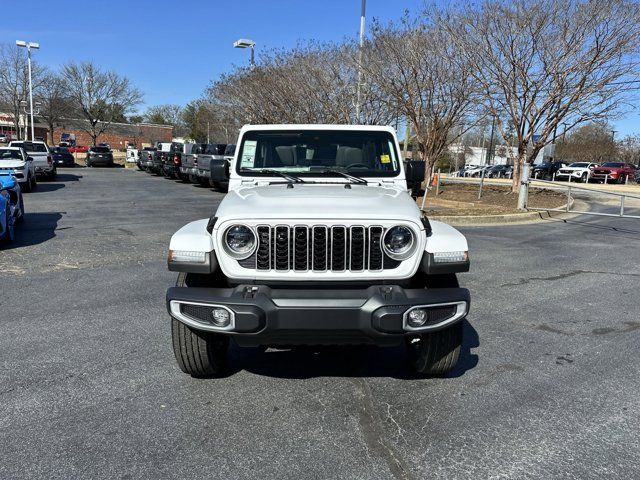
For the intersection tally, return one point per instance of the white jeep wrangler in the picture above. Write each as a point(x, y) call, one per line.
point(318, 242)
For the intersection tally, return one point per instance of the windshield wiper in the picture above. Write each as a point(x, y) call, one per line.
point(352, 178)
point(286, 176)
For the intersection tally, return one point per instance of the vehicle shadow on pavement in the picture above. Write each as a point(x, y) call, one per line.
point(343, 361)
point(37, 228)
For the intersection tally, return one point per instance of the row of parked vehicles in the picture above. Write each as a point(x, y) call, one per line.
point(204, 163)
point(23, 163)
point(608, 172)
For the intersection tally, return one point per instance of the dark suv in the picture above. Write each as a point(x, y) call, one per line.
point(546, 169)
point(99, 156)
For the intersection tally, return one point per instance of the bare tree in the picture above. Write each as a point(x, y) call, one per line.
point(540, 63)
point(100, 97)
point(410, 64)
point(167, 114)
point(54, 103)
point(588, 143)
point(14, 80)
point(629, 149)
point(313, 83)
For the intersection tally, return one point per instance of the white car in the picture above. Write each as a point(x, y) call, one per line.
point(17, 160)
point(41, 155)
point(318, 242)
point(576, 172)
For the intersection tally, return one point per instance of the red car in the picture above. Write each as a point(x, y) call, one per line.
point(78, 149)
point(613, 172)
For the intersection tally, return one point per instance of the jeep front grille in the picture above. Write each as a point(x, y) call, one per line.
point(319, 248)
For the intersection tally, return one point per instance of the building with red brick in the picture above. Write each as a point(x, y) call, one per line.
point(117, 135)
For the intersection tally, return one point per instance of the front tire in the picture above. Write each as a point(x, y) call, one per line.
point(198, 353)
point(435, 353)
point(9, 233)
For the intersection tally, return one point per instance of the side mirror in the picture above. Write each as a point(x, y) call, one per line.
point(414, 171)
point(29, 158)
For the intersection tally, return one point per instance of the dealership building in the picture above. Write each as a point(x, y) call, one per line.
point(117, 135)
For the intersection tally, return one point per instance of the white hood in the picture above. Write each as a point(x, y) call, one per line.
point(319, 201)
point(12, 164)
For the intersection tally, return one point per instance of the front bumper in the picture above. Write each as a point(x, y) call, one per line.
point(268, 316)
point(189, 171)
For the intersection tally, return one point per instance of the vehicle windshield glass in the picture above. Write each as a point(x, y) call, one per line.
point(100, 149)
point(61, 150)
point(215, 149)
point(579, 164)
point(310, 152)
point(31, 147)
point(6, 154)
point(613, 164)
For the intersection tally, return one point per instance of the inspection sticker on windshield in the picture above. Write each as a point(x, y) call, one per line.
point(248, 153)
point(385, 159)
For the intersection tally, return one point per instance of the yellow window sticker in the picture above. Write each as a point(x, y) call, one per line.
point(385, 159)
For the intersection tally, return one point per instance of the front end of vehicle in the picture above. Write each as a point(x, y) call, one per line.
point(308, 253)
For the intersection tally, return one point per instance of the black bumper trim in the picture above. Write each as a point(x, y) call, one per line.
point(267, 316)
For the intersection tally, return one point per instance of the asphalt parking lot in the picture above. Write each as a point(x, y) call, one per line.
point(547, 386)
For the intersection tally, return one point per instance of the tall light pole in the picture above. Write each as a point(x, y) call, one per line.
point(246, 43)
point(363, 7)
point(29, 46)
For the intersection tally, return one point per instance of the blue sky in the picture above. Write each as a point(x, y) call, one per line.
point(171, 50)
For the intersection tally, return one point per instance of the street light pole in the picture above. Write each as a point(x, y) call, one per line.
point(363, 7)
point(29, 46)
point(246, 43)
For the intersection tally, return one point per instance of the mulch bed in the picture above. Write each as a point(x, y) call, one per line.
point(495, 200)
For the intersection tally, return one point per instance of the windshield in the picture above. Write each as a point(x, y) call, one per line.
point(100, 149)
point(61, 150)
point(215, 149)
point(6, 154)
point(30, 147)
point(579, 164)
point(311, 152)
point(613, 164)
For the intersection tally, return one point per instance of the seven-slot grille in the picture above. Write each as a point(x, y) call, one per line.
point(319, 248)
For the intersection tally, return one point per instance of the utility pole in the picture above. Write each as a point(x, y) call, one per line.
point(490, 149)
point(363, 6)
point(29, 46)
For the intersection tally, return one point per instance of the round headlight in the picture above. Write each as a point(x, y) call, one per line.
point(240, 241)
point(398, 242)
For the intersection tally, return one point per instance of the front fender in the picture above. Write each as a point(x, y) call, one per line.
point(193, 237)
point(444, 239)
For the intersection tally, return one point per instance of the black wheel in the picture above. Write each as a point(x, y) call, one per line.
point(621, 179)
point(198, 353)
point(20, 219)
point(8, 234)
point(435, 353)
point(28, 186)
point(583, 178)
point(204, 182)
point(193, 178)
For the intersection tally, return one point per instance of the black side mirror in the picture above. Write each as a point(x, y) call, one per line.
point(414, 171)
point(30, 158)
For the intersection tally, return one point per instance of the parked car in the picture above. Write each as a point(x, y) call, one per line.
point(99, 156)
point(213, 154)
point(546, 169)
point(576, 171)
point(220, 170)
point(16, 161)
point(473, 170)
point(318, 233)
point(499, 171)
point(189, 165)
point(160, 156)
point(41, 156)
point(133, 155)
point(613, 172)
point(78, 149)
point(11, 206)
point(172, 161)
point(4, 138)
point(145, 158)
point(62, 157)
